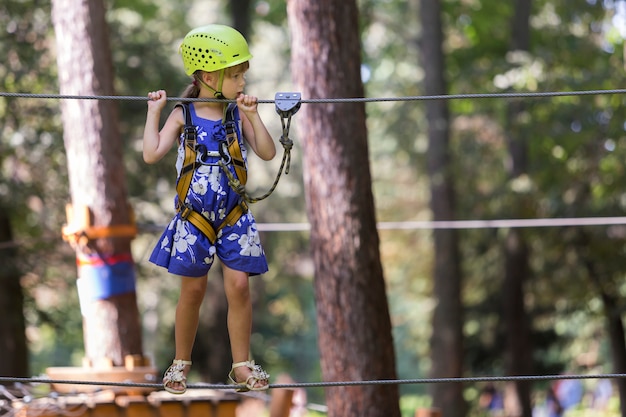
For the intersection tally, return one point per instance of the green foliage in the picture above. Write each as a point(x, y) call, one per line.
point(409, 404)
point(33, 184)
point(574, 143)
point(576, 148)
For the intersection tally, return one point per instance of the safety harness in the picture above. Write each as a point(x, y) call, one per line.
point(287, 104)
point(230, 152)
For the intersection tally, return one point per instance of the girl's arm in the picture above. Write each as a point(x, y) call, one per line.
point(254, 129)
point(158, 143)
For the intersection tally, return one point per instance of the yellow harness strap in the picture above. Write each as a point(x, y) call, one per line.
point(233, 145)
point(189, 166)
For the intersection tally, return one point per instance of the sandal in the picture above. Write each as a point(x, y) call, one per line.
point(175, 374)
point(258, 375)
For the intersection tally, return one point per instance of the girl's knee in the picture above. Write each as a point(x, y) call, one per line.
point(237, 284)
point(193, 290)
point(240, 285)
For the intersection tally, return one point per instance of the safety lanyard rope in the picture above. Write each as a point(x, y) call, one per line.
point(287, 104)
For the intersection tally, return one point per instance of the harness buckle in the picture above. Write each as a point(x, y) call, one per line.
point(189, 131)
point(229, 125)
point(287, 104)
point(244, 205)
point(185, 211)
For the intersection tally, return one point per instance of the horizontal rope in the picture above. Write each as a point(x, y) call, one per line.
point(328, 384)
point(25, 396)
point(464, 224)
point(405, 225)
point(333, 100)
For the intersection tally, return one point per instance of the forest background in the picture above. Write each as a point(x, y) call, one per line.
point(576, 152)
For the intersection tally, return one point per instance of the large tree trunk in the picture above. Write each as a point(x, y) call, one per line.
point(353, 317)
point(518, 357)
point(447, 338)
point(612, 311)
point(617, 339)
point(240, 12)
point(12, 326)
point(106, 280)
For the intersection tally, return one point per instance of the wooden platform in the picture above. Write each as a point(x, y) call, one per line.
point(194, 403)
point(141, 374)
point(92, 400)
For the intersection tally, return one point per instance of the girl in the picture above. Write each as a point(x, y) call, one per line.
point(211, 218)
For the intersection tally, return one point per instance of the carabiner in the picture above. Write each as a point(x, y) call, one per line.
point(224, 153)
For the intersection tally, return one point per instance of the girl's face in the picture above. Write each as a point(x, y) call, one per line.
point(234, 83)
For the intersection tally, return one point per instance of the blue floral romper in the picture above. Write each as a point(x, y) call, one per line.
point(182, 248)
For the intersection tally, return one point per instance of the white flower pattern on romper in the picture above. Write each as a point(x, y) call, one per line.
point(210, 176)
point(183, 239)
point(250, 243)
point(209, 259)
point(165, 244)
point(180, 158)
point(221, 213)
point(200, 186)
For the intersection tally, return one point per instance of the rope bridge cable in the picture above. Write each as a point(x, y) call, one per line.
point(399, 225)
point(327, 384)
point(392, 225)
point(457, 224)
point(333, 100)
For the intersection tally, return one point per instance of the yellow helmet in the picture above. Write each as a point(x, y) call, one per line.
point(213, 47)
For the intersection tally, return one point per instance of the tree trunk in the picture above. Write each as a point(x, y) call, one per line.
point(353, 317)
point(447, 338)
point(518, 356)
point(617, 338)
point(613, 315)
point(240, 12)
point(106, 281)
point(12, 326)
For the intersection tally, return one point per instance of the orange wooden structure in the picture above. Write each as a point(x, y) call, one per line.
point(87, 400)
point(428, 412)
point(194, 403)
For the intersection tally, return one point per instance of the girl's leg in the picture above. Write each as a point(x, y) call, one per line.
point(237, 288)
point(192, 291)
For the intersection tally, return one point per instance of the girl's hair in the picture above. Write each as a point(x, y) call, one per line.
point(193, 89)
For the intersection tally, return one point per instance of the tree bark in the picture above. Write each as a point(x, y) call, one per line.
point(447, 337)
point(612, 312)
point(12, 326)
point(353, 317)
point(240, 12)
point(97, 182)
point(518, 356)
point(617, 340)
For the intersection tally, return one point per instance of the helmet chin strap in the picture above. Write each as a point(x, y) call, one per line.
point(220, 81)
